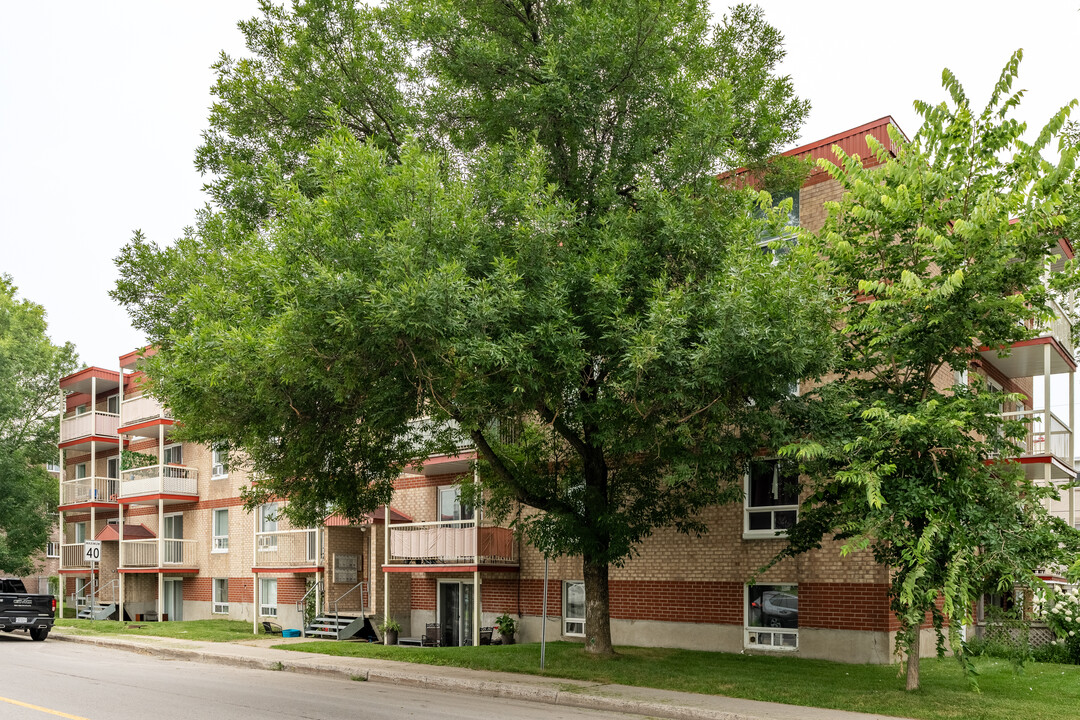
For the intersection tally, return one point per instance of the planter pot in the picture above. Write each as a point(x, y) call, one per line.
point(391, 637)
point(507, 639)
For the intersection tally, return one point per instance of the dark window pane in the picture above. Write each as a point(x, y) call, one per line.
point(761, 521)
point(761, 483)
point(788, 486)
point(785, 519)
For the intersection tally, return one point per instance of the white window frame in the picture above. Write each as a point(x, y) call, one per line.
point(52, 467)
point(459, 509)
point(758, 634)
point(267, 543)
point(219, 464)
point(170, 450)
point(52, 549)
point(265, 609)
point(110, 401)
point(569, 620)
point(81, 468)
point(110, 463)
point(772, 532)
point(80, 532)
point(220, 542)
point(81, 409)
point(220, 605)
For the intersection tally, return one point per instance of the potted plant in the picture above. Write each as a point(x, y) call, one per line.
point(390, 627)
point(507, 626)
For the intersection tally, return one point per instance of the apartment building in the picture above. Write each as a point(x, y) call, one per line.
point(177, 543)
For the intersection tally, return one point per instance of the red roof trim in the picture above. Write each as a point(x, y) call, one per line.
point(89, 438)
point(145, 424)
point(156, 496)
point(1037, 341)
point(832, 139)
point(83, 505)
point(164, 571)
point(89, 372)
point(449, 568)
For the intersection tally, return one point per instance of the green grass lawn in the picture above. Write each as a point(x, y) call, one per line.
point(1041, 691)
point(210, 630)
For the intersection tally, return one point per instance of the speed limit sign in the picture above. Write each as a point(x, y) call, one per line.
point(92, 550)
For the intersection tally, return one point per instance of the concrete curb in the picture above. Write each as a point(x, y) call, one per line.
point(567, 693)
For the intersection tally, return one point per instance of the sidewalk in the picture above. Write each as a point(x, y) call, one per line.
point(258, 654)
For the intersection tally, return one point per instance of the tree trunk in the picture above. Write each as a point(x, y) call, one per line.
point(912, 660)
point(597, 609)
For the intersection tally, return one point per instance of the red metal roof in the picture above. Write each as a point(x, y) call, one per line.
point(852, 142)
point(372, 517)
point(131, 532)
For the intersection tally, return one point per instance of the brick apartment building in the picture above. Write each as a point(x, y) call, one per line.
point(177, 543)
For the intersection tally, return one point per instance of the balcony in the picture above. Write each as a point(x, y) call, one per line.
point(79, 430)
point(89, 490)
point(1047, 446)
point(174, 482)
point(71, 557)
point(142, 415)
point(451, 543)
point(135, 554)
point(286, 549)
point(1050, 353)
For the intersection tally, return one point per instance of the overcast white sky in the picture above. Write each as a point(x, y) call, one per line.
point(101, 106)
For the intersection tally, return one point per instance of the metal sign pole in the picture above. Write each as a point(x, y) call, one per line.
point(543, 624)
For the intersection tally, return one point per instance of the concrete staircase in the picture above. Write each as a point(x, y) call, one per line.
point(342, 627)
point(97, 611)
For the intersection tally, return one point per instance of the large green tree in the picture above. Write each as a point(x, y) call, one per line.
point(937, 251)
point(29, 427)
point(497, 223)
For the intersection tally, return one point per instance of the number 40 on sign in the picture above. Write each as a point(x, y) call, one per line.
point(92, 550)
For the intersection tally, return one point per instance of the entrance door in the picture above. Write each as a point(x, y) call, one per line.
point(456, 612)
point(172, 532)
point(173, 605)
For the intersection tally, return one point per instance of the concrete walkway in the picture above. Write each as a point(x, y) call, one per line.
point(258, 654)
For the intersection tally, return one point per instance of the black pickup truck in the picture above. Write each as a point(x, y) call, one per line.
point(19, 610)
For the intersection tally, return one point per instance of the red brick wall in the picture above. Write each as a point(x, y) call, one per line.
point(423, 593)
point(199, 589)
point(845, 606)
point(500, 595)
point(709, 603)
point(532, 597)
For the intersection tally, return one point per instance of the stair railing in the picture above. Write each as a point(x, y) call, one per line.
point(302, 602)
point(80, 598)
point(337, 623)
point(113, 584)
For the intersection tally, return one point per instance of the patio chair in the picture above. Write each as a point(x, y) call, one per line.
point(271, 628)
point(432, 636)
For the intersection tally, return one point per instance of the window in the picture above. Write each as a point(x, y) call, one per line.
point(574, 608)
point(80, 533)
point(112, 404)
point(52, 467)
point(80, 471)
point(772, 617)
point(772, 498)
point(112, 468)
point(221, 530)
point(80, 409)
point(221, 596)
point(219, 464)
point(174, 455)
point(268, 524)
point(960, 377)
point(52, 550)
point(268, 597)
point(450, 506)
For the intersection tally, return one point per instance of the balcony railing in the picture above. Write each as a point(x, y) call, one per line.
point(159, 479)
point(71, 556)
point(1047, 434)
point(91, 489)
point(87, 424)
point(142, 409)
point(286, 548)
point(1060, 328)
point(451, 542)
point(144, 553)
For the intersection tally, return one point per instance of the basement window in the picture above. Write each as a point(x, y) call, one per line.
point(772, 617)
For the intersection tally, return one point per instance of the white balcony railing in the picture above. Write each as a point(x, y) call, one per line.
point(71, 556)
point(91, 489)
point(451, 542)
point(87, 424)
point(286, 548)
point(141, 409)
point(164, 479)
point(1047, 434)
point(144, 553)
point(1060, 328)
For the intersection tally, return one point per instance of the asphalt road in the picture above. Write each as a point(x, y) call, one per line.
point(42, 680)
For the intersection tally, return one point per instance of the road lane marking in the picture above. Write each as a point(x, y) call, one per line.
point(44, 710)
